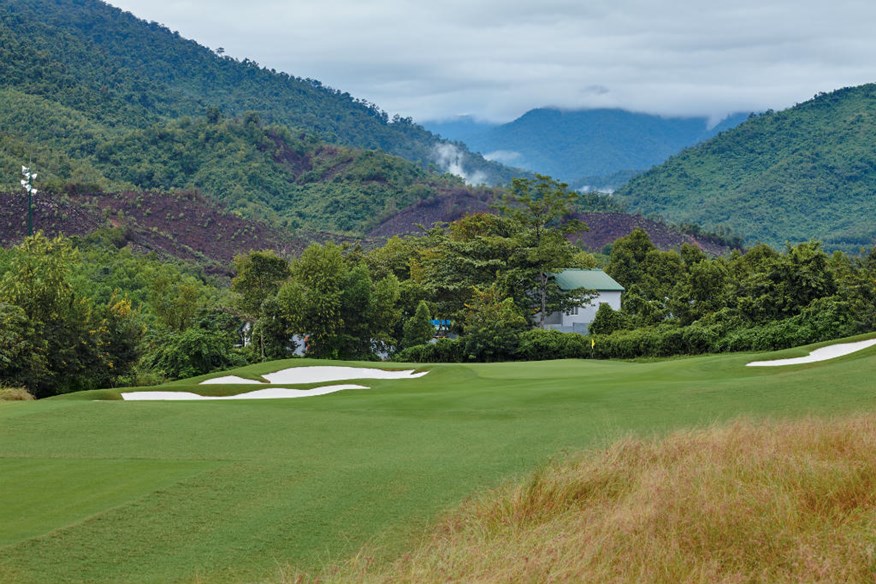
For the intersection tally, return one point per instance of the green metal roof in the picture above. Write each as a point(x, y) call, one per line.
point(590, 279)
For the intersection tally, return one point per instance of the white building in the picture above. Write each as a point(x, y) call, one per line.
point(578, 320)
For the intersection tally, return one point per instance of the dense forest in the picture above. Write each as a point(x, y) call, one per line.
point(118, 70)
point(89, 312)
point(808, 172)
point(264, 171)
point(99, 100)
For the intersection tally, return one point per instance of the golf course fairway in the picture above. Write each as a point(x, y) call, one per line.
point(96, 489)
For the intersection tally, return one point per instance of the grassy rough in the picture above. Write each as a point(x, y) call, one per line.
point(748, 502)
point(15, 394)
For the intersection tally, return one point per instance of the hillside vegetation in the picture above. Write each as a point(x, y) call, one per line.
point(264, 171)
point(574, 144)
point(759, 503)
point(94, 99)
point(805, 173)
point(121, 71)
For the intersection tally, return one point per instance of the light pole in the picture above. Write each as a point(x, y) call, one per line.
point(27, 183)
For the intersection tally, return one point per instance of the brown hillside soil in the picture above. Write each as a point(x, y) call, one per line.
point(447, 207)
point(183, 225)
point(605, 228)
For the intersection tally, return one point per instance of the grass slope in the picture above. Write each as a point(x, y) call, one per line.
point(759, 503)
point(254, 486)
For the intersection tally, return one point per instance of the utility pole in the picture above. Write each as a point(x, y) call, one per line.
point(27, 183)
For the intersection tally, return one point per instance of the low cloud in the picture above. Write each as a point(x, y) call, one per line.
point(451, 159)
point(497, 59)
point(508, 157)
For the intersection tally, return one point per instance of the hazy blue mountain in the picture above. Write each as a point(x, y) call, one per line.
point(571, 145)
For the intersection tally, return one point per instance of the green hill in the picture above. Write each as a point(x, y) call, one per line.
point(808, 172)
point(95, 98)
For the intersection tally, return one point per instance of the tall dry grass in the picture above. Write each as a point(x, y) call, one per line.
point(750, 502)
point(15, 394)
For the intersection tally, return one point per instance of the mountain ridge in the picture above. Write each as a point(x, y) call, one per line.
point(573, 144)
point(121, 71)
point(806, 172)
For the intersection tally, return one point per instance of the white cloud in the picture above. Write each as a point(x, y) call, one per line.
point(509, 157)
point(496, 60)
point(451, 159)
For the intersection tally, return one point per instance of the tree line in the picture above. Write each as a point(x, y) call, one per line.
point(83, 313)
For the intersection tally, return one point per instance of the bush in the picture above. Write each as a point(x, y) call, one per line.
point(441, 351)
point(418, 330)
point(15, 394)
point(607, 320)
point(824, 319)
point(541, 345)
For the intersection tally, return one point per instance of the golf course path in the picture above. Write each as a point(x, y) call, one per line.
point(822, 354)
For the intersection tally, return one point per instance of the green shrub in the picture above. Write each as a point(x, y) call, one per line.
point(824, 319)
point(192, 352)
point(607, 320)
point(541, 345)
point(441, 351)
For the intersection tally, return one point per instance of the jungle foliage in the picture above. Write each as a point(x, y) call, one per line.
point(99, 100)
point(84, 313)
point(808, 172)
point(120, 71)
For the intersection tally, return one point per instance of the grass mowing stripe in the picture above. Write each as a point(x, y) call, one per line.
point(49, 494)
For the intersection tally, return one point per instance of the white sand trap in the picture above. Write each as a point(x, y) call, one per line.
point(822, 354)
point(230, 379)
point(321, 374)
point(269, 393)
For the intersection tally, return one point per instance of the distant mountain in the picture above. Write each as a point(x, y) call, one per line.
point(571, 145)
point(808, 172)
point(96, 99)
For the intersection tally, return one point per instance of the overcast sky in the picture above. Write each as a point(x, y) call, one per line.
point(497, 59)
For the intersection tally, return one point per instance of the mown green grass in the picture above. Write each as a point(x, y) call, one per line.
point(235, 491)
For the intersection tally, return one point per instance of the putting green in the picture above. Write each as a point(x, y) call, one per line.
point(252, 486)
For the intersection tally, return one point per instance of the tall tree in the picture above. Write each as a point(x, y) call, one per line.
point(542, 210)
point(259, 277)
point(338, 306)
point(418, 329)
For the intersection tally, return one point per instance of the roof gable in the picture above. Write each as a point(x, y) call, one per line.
point(589, 279)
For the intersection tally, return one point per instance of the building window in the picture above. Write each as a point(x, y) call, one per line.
point(572, 311)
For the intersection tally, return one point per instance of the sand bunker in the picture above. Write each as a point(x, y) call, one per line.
point(230, 380)
point(822, 354)
point(320, 374)
point(296, 375)
point(269, 393)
